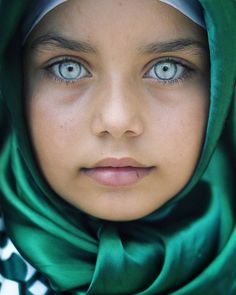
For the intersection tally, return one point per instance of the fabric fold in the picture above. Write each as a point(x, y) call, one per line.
point(186, 247)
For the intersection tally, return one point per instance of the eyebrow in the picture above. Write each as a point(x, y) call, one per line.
point(51, 40)
point(173, 45)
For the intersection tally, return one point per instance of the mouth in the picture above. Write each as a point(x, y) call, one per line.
point(117, 172)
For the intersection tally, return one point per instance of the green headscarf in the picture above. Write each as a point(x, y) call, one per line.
point(186, 247)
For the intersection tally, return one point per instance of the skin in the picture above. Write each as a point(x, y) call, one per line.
point(118, 108)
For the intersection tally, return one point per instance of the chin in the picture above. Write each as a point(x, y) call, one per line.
point(119, 215)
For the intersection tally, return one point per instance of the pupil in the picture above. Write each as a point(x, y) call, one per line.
point(70, 69)
point(165, 68)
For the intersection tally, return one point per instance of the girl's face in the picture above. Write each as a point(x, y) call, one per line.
point(117, 101)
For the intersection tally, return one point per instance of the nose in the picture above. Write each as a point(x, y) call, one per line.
point(118, 111)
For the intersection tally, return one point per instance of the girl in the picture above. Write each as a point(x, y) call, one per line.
point(114, 178)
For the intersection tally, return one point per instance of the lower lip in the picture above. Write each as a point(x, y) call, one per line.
point(117, 176)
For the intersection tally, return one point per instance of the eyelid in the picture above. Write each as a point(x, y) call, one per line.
point(188, 70)
point(173, 59)
point(64, 59)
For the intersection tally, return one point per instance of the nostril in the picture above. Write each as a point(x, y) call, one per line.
point(117, 129)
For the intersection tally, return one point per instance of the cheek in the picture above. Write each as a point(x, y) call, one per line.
point(57, 131)
point(179, 127)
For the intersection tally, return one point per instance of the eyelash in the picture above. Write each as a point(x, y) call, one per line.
point(178, 64)
point(53, 67)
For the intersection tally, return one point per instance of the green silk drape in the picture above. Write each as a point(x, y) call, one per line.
point(186, 247)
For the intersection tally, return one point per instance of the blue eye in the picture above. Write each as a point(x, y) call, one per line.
point(68, 70)
point(167, 71)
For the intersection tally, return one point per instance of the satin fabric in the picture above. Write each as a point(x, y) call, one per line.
point(192, 9)
point(38, 10)
point(186, 247)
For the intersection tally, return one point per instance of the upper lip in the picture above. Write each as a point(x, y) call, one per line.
point(119, 162)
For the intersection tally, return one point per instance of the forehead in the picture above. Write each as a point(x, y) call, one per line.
point(136, 17)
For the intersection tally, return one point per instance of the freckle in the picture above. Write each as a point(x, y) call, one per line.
point(120, 3)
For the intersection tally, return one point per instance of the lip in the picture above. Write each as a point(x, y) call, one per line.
point(118, 172)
